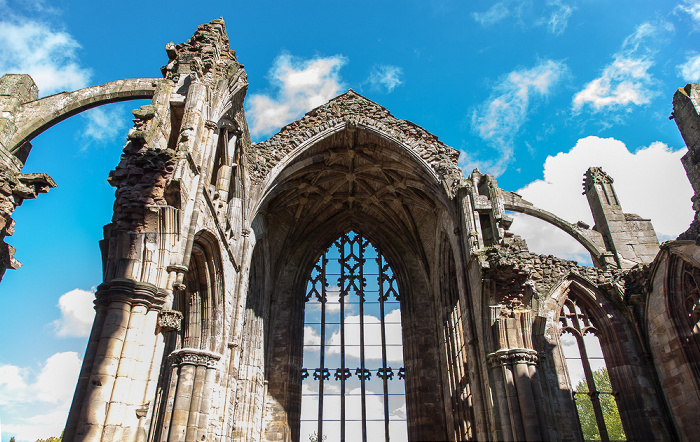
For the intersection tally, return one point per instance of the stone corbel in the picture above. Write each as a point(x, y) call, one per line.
point(169, 320)
point(194, 356)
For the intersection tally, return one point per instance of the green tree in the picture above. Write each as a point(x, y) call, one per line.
point(608, 405)
point(52, 439)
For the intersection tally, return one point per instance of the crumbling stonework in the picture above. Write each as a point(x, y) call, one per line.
point(198, 332)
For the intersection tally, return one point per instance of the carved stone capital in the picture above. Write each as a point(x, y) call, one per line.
point(513, 356)
point(194, 356)
point(169, 320)
point(131, 292)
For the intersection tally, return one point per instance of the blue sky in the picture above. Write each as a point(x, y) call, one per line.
point(533, 92)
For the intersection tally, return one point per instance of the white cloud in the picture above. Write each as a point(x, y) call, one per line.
point(36, 406)
point(49, 56)
point(77, 314)
point(692, 8)
point(690, 70)
point(500, 117)
point(627, 80)
point(311, 337)
point(553, 14)
point(385, 77)
point(559, 17)
point(104, 123)
point(650, 182)
point(302, 85)
point(373, 351)
point(493, 15)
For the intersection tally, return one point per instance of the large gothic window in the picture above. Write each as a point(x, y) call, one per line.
point(595, 400)
point(353, 375)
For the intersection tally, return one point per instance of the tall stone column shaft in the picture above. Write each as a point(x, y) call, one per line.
point(113, 361)
point(193, 377)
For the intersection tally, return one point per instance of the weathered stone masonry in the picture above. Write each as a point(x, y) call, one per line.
point(199, 319)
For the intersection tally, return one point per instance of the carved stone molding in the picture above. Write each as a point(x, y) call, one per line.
point(170, 320)
point(131, 292)
point(194, 356)
point(513, 356)
point(596, 175)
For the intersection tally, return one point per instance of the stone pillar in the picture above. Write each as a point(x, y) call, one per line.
point(630, 237)
point(514, 369)
point(192, 379)
point(106, 411)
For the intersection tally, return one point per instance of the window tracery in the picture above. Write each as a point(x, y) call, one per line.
point(353, 375)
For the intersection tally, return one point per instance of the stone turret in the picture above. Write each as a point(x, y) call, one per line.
point(630, 237)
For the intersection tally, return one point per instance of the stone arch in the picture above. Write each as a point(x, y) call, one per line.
point(671, 332)
point(592, 241)
point(36, 116)
point(629, 373)
point(347, 179)
point(201, 300)
point(351, 111)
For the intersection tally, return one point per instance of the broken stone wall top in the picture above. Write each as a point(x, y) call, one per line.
point(353, 109)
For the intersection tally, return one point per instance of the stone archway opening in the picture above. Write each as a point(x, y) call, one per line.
point(353, 180)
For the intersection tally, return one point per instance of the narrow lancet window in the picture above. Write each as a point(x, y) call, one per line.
point(353, 376)
point(595, 400)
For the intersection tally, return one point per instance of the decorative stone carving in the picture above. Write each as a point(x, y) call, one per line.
point(170, 320)
point(513, 356)
point(354, 112)
point(193, 356)
point(131, 292)
point(595, 175)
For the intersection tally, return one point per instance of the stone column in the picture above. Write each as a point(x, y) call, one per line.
point(514, 369)
point(105, 411)
point(193, 375)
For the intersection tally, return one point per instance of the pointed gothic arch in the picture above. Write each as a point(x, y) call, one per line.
point(353, 177)
point(630, 376)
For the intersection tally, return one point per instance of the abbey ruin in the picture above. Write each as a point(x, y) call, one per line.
point(227, 261)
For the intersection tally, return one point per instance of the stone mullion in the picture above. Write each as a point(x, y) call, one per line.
point(451, 386)
point(458, 371)
point(463, 380)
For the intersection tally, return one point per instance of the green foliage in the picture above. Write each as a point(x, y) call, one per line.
point(52, 439)
point(608, 405)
